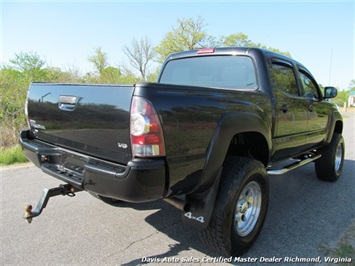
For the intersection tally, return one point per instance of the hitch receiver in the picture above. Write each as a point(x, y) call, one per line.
point(63, 190)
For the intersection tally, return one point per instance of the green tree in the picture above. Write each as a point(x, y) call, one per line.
point(15, 79)
point(236, 39)
point(189, 34)
point(140, 54)
point(273, 49)
point(99, 60)
point(152, 77)
point(55, 74)
point(105, 73)
point(343, 95)
point(111, 75)
point(30, 65)
point(242, 40)
point(30, 62)
point(341, 98)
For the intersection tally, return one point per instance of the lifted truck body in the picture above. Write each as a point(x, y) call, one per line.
point(208, 105)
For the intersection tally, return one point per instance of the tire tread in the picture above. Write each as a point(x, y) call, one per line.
point(215, 235)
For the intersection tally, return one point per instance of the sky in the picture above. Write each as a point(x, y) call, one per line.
point(318, 34)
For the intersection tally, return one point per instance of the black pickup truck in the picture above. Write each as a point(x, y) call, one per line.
point(204, 138)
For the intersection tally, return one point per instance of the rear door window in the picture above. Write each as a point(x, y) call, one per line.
point(235, 72)
point(283, 79)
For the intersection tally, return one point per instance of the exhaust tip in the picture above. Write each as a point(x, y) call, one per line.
point(178, 203)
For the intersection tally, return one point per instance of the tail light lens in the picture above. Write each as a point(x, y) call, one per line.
point(147, 138)
point(26, 109)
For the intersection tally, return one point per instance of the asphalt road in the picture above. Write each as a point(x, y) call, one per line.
point(305, 214)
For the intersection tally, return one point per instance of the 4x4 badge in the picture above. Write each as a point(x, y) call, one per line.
point(189, 215)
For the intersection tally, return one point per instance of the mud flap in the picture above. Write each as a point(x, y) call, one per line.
point(201, 206)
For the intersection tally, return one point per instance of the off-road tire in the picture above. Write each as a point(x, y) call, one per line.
point(222, 232)
point(330, 166)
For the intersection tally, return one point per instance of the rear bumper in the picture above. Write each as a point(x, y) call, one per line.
point(140, 180)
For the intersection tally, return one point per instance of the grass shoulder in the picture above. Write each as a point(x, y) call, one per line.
point(13, 155)
point(344, 248)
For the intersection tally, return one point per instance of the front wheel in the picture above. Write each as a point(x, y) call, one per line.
point(330, 166)
point(240, 208)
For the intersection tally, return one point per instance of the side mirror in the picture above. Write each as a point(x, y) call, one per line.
point(330, 92)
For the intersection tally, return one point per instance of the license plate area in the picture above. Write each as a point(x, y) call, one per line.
point(66, 166)
point(74, 164)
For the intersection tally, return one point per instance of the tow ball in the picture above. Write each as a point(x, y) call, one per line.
point(46, 194)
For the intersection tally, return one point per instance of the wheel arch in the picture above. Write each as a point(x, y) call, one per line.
point(237, 134)
point(338, 127)
point(243, 134)
point(335, 126)
point(250, 144)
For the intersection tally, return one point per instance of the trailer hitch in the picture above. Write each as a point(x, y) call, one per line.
point(63, 190)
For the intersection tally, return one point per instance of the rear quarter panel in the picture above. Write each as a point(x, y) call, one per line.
point(189, 117)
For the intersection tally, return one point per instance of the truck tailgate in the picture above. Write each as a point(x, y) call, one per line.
point(90, 119)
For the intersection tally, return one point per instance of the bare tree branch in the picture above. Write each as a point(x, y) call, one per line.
point(140, 54)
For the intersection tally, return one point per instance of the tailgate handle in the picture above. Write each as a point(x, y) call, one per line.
point(67, 103)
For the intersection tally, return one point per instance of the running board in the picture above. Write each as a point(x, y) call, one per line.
point(293, 166)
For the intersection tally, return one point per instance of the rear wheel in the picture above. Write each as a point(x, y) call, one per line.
point(330, 166)
point(240, 207)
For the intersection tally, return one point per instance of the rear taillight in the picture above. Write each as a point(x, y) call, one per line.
point(146, 132)
point(26, 109)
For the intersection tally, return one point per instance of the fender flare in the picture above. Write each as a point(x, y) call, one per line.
point(203, 197)
point(334, 118)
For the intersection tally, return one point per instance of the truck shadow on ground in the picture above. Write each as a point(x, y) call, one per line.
point(304, 214)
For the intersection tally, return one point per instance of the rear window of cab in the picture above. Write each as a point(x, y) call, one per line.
point(231, 72)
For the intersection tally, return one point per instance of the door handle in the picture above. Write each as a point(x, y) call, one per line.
point(284, 108)
point(67, 103)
